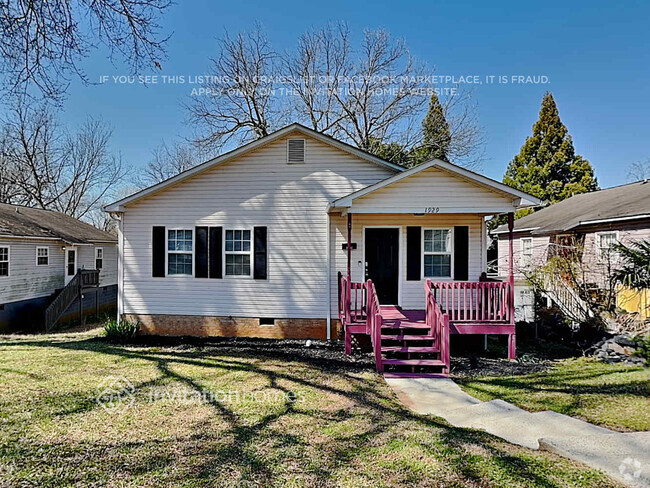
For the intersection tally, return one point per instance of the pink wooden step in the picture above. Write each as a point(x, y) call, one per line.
point(418, 349)
point(401, 337)
point(405, 325)
point(414, 362)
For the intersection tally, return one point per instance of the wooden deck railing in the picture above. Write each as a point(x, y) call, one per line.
point(373, 322)
point(468, 301)
point(85, 278)
point(438, 323)
point(352, 301)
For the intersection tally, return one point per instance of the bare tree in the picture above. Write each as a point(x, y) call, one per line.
point(314, 72)
point(43, 42)
point(240, 100)
point(639, 170)
point(466, 143)
point(54, 169)
point(167, 162)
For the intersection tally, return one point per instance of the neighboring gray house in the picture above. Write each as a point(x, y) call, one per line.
point(591, 222)
point(41, 251)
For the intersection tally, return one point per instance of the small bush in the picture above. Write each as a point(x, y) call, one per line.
point(644, 348)
point(121, 331)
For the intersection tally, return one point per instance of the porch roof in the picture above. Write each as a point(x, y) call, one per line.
point(420, 194)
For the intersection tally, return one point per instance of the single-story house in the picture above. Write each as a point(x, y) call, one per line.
point(590, 222)
point(252, 243)
point(41, 252)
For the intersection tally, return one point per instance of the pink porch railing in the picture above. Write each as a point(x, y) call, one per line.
point(373, 323)
point(477, 302)
point(438, 323)
point(352, 301)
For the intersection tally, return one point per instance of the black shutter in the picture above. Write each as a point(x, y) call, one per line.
point(216, 252)
point(413, 253)
point(158, 252)
point(259, 268)
point(461, 253)
point(201, 253)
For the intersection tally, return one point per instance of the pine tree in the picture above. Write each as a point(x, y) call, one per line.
point(547, 165)
point(436, 135)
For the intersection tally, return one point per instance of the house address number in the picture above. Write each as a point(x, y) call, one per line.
point(431, 210)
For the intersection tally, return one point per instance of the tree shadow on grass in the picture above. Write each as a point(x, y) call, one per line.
point(260, 451)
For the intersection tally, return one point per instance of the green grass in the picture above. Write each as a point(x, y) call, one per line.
point(611, 395)
point(345, 429)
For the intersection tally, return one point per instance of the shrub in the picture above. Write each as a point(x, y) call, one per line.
point(644, 348)
point(121, 331)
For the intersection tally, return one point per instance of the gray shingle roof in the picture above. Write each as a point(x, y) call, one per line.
point(619, 202)
point(32, 222)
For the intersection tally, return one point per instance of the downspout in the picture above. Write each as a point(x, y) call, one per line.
point(329, 280)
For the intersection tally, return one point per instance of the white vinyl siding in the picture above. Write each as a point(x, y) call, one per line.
point(430, 189)
point(258, 188)
point(411, 293)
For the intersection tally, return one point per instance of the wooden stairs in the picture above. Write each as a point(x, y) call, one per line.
point(407, 346)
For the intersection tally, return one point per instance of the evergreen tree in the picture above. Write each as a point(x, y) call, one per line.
point(436, 135)
point(547, 165)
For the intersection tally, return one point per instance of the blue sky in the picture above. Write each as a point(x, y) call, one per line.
point(595, 54)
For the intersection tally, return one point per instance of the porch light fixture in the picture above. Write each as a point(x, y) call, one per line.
point(418, 215)
point(63, 248)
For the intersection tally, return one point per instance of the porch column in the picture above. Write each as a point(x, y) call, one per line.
point(512, 345)
point(349, 246)
point(348, 335)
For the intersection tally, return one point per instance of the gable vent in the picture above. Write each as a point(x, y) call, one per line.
point(296, 151)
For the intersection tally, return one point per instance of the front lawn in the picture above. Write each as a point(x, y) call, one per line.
point(612, 395)
point(223, 414)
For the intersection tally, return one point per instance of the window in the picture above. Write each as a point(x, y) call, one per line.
point(42, 256)
point(606, 240)
point(4, 261)
point(238, 252)
point(179, 252)
point(99, 258)
point(526, 250)
point(437, 253)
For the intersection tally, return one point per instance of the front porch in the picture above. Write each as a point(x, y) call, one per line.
point(416, 342)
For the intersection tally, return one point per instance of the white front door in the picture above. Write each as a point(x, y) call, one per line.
point(70, 263)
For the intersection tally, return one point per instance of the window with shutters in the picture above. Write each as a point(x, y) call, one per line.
point(4, 261)
point(437, 251)
point(42, 256)
point(179, 252)
point(295, 151)
point(237, 252)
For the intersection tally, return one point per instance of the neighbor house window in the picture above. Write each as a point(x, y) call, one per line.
point(437, 253)
point(179, 252)
point(606, 240)
point(4, 260)
point(526, 250)
point(42, 256)
point(99, 258)
point(238, 252)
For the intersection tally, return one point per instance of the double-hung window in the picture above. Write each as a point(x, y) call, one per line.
point(238, 252)
point(4, 260)
point(179, 252)
point(606, 241)
point(42, 256)
point(99, 258)
point(437, 253)
point(526, 250)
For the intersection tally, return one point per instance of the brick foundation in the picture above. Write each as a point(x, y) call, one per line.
point(196, 325)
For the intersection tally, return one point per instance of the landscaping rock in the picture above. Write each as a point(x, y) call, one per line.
point(618, 349)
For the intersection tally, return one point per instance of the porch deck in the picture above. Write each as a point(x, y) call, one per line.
point(416, 342)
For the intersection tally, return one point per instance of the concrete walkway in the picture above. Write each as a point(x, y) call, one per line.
point(625, 457)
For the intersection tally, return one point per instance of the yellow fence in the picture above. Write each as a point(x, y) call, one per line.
point(634, 301)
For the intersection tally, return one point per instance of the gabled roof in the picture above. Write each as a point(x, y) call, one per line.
point(17, 221)
point(626, 202)
point(119, 205)
point(526, 200)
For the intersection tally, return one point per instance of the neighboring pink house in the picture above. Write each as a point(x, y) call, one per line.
point(592, 221)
